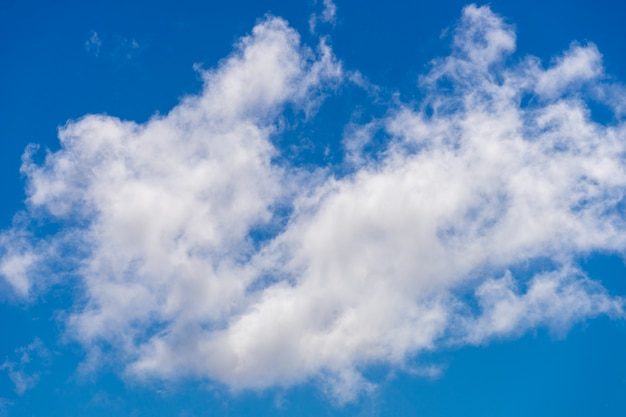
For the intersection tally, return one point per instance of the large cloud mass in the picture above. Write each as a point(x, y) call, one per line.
point(202, 252)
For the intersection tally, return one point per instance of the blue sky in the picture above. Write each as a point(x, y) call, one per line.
point(312, 209)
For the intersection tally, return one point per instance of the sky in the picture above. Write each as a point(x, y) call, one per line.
point(318, 208)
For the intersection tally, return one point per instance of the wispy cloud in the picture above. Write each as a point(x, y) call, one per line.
point(328, 14)
point(93, 44)
point(118, 49)
point(4, 405)
point(22, 378)
point(125, 49)
point(424, 246)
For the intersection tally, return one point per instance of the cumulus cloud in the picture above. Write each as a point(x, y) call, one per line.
point(204, 253)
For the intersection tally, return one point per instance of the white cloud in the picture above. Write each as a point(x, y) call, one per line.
point(556, 299)
point(19, 373)
point(163, 211)
point(368, 268)
point(577, 65)
point(15, 265)
point(327, 15)
point(482, 38)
